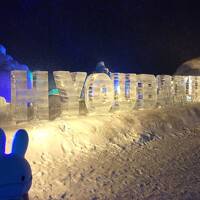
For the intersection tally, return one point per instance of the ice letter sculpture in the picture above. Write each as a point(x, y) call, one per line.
point(195, 88)
point(70, 86)
point(164, 90)
point(3, 105)
point(19, 95)
point(99, 93)
point(146, 91)
point(40, 92)
point(179, 89)
point(15, 171)
point(124, 91)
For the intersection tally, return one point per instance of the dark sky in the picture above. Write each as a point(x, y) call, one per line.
point(143, 36)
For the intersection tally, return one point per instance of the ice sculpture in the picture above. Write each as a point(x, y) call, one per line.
point(40, 93)
point(164, 83)
point(7, 64)
point(22, 97)
point(179, 89)
point(2, 102)
point(124, 91)
point(3, 105)
point(99, 93)
point(19, 95)
point(70, 86)
point(146, 91)
point(195, 97)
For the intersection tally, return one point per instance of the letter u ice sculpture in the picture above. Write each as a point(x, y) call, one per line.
point(124, 91)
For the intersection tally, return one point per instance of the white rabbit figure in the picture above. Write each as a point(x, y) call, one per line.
point(15, 171)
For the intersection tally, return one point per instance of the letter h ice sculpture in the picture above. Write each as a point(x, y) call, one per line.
point(21, 96)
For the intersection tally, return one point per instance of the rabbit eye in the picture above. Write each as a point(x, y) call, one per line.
point(22, 178)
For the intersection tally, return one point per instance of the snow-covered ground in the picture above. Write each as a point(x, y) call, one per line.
point(146, 154)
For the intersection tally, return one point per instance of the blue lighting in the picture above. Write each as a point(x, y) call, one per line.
point(8, 64)
point(5, 84)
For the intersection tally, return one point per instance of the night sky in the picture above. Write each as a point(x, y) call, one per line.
point(143, 36)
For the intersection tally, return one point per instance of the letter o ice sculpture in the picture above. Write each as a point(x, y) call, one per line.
point(99, 93)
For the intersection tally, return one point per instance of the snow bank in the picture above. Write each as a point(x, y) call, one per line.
point(63, 152)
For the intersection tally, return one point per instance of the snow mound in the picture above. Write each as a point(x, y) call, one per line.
point(98, 157)
point(191, 67)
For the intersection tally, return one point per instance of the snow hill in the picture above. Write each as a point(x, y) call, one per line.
point(145, 154)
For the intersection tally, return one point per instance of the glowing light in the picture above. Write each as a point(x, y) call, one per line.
point(54, 92)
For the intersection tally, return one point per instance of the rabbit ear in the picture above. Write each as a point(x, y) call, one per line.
point(2, 141)
point(20, 143)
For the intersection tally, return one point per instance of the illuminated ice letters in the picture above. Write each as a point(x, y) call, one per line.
point(19, 95)
point(70, 86)
point(99, 93)
point(195, 88)
point(22, 97)
point(164, 83)
point(179, 89)
point(3, 105)
point(146, 91)
point(124, 91)
point(40, 92)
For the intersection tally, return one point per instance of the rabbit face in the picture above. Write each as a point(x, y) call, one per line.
point(15, 171)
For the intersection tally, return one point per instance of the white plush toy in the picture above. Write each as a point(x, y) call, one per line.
point(15, 171)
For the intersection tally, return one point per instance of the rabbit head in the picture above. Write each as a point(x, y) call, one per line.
point(15, 171)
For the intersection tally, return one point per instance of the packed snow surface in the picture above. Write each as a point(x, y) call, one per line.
point(145, 154)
